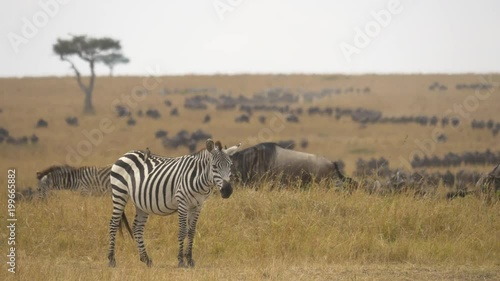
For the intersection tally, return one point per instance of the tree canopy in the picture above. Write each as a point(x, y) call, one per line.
point(113, 59)
point(92, 50)
point(86, 48)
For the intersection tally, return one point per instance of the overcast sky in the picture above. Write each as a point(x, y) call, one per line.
point(258, 36)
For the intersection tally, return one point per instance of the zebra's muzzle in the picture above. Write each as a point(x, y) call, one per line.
point(226, 189)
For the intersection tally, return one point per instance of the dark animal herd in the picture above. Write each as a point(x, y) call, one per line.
point(281, 100)
point(5, 137)
point(286, 102)
point(277, 165)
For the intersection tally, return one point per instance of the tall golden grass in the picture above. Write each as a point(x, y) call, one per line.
point(266, 234)
point(294, 234)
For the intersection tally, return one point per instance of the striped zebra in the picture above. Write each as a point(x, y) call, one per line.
point(162, 186)
point(87, 180)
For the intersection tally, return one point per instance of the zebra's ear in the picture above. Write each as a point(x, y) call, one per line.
point(218, 145)
point(210, 145)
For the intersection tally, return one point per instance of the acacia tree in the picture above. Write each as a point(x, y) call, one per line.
point(90, 50)
point(110, 60)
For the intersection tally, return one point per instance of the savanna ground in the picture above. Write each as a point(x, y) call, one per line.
point(294, 234)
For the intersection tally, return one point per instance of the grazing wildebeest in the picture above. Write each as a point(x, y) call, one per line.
point(131, 121)
point(160, 134)
point(122, 111)
point(34, 139)
point(153, 113)
point(269, 160)
point(292, 118)
point(72, 121)
point(41, 124)
point(174, 112)
point(242, 118)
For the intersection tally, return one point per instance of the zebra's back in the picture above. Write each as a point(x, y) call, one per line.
point(95, 180)
point(87, 179)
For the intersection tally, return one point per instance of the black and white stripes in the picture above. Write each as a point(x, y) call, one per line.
point(162, 186)
point(88, 180)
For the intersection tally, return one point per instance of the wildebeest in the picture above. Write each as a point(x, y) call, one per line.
point(72, 121)
point(131, 121)
point(153, 113)
point(161, 134)
point(270, 161)
point(122, 111)
point(34, 139)
point(41, 124)
point(292, 118)
point(174, 112)
point(242, 118)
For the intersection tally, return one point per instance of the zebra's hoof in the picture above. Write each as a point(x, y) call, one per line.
point(182, 264)
point(147, 261)
point(191, 263)
point(112, 263)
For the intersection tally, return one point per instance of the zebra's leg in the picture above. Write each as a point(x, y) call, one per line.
point(42, 194)
point(42, 189)
point(182, 210)
point(140, 220)
point(192, 220)
point(120, 198)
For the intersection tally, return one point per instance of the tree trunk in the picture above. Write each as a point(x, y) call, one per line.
point(110, 71)
point(88, 108)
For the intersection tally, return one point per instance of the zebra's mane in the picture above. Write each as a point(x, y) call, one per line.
point(198, 152)
point(40, 175)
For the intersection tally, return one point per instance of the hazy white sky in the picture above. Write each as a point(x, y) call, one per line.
point(258, 36)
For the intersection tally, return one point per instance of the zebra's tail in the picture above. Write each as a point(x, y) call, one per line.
point(124, 221)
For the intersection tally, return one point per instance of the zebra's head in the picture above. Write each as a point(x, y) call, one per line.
point(221, 166)
point(43, 184)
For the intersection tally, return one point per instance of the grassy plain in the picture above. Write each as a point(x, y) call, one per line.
point(318, 234)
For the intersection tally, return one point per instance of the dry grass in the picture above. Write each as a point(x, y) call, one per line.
point(275, 235)
point(317, 234)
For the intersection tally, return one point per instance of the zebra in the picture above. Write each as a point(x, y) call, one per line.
point(162, 186)
point(86, 179)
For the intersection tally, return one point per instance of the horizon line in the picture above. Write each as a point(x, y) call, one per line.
point(263, 74)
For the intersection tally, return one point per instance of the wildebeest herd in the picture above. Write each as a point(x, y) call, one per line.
point(280, 164)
